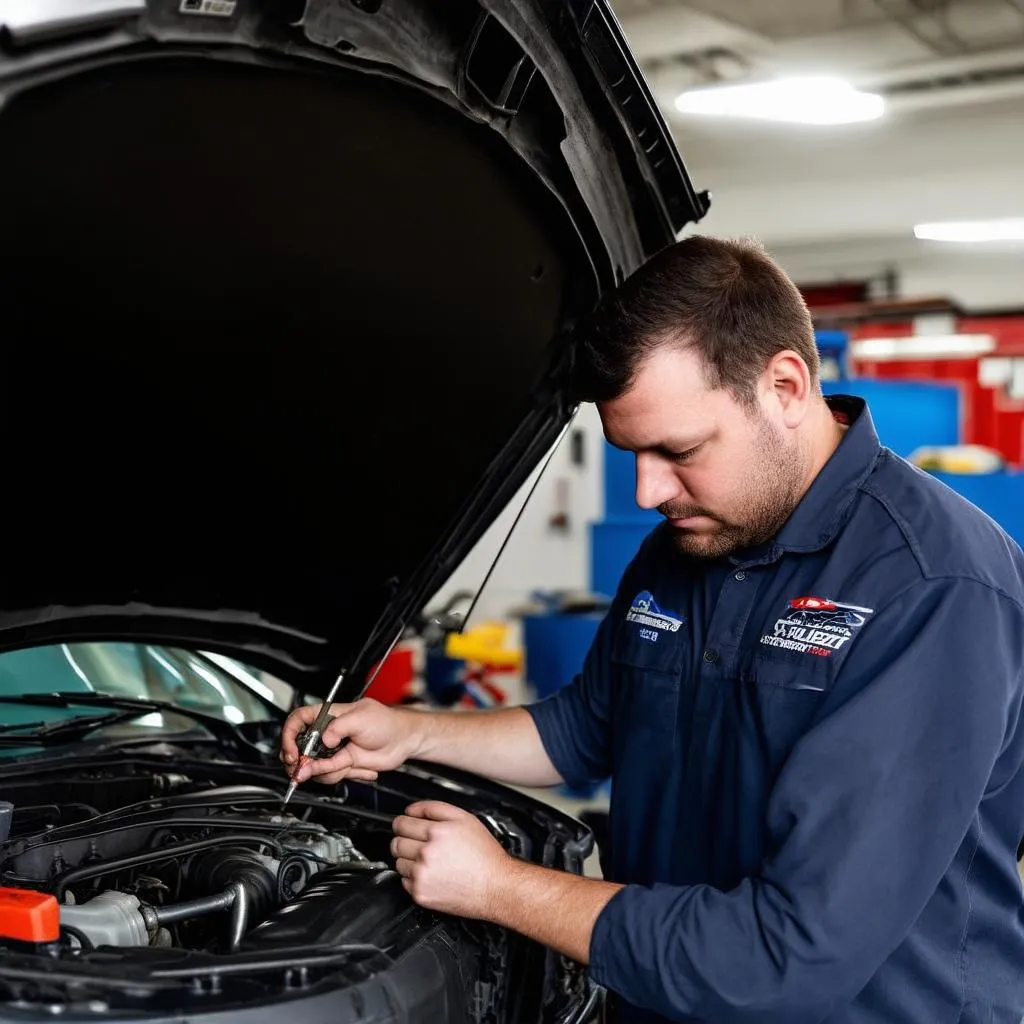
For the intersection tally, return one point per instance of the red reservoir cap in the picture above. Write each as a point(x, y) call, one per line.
point(29, 916)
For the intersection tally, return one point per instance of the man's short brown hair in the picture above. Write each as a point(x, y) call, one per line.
point(728, 299)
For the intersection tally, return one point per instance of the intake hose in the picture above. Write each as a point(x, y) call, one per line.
point(192, 908)
point(118, 919)
point(235, 897)
point(241, 880)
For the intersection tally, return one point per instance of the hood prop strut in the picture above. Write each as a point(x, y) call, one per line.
point(311, 739)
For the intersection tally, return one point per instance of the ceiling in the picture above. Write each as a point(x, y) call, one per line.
point(839, 200)
point(717, 39)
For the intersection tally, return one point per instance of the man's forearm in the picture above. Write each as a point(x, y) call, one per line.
point(501, 744)
point(553, 908)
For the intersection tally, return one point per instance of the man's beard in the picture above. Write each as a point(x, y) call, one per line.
point(770, 500)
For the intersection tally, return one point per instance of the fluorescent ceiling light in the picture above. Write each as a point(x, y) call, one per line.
point(1006, 229)
point(805, 100)
point(921, 346)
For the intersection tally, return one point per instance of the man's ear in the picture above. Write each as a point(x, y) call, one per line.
point(789, 380)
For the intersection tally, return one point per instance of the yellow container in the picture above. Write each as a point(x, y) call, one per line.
point(486, 644)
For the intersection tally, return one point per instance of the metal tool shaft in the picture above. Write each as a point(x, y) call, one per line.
point(314, 735)
point(316, 732)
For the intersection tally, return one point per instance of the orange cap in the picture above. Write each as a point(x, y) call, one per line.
point(29, 916)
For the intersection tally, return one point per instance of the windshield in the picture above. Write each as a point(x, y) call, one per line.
point(211, 684)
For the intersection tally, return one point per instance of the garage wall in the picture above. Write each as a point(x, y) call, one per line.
point(539, 557)
point(977, 278)
point(830, 203)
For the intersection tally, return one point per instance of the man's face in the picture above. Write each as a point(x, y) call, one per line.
point(725, 476)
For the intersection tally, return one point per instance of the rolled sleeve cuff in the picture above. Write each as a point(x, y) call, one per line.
point(612, 960)
point(553, 722)
point(635, 952)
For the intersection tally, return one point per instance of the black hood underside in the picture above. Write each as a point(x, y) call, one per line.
point(281, 335)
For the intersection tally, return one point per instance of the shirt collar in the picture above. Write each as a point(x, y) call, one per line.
point(824, 508)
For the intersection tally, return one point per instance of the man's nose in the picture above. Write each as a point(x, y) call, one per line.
point(655, 481)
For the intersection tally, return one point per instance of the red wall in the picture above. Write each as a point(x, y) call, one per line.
point(990, 416)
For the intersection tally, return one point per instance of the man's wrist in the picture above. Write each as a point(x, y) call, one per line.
point(417, 733)
point(505, 896)
point(555, 908)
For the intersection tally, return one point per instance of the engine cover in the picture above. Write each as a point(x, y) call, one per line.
point(338, 906)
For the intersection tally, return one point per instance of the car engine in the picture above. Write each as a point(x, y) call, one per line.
point(201, 870)
point(172, 884)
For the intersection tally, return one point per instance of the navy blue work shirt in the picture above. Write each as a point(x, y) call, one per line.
point(817, 762)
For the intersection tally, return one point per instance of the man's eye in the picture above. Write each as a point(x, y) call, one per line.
point(683, 456)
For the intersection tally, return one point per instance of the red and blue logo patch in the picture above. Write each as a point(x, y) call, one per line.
point(816, 625)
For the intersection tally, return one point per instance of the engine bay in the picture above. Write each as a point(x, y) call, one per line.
point(191, 889)
point(200, 871)
point(176, 884)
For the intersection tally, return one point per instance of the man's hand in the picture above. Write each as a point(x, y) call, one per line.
point(379, 739)
point(448, 860)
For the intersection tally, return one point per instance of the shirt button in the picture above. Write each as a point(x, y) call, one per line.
point(741, 576)
point(710, 657)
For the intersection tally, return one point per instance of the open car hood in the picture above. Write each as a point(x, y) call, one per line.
point(286, 289)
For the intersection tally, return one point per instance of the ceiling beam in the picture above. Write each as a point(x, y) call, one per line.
point(960, 66)
point(675, 31)
point(913, 16)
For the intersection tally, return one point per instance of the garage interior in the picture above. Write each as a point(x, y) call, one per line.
point(930, 331)
point(874, 147)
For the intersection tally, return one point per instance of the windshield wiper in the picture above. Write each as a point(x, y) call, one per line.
point(64, 730)
point(10, 727)
point(130, 707)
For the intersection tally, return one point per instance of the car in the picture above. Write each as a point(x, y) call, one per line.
point(820, 611)
point(813, 604)
point(288, 290)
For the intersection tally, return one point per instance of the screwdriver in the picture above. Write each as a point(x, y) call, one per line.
point(314, 734)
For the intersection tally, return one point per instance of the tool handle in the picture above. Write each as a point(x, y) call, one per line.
point(311, 743)
point(314, 739)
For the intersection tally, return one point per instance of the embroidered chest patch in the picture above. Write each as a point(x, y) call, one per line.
point(817, 626)
point(651, 619)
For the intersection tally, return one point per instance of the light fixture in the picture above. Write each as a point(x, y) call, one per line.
point(1005, 229)
point(923, 346)
point(804, 100)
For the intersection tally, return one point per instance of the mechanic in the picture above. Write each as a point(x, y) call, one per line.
point(807, 693)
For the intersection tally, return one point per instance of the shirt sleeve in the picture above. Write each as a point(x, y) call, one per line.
point(574, 722)
point(864, 820)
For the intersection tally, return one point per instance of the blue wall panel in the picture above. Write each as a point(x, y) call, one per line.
point(907, 414)
point(613, 543)
point(999, 495)
point(620, 486)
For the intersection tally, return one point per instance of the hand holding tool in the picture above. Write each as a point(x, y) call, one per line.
point(312, 740)
point(313, 736)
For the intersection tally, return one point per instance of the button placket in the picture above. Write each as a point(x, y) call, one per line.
point(722, 651)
